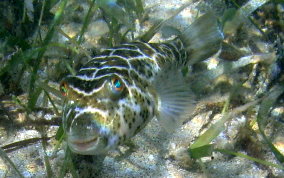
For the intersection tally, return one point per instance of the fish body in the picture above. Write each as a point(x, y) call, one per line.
point(115, 95)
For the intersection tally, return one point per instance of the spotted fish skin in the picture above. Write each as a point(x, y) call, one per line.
point(117, 116)
point(114, 95)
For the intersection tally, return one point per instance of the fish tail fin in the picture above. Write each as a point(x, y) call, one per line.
point(202, 38)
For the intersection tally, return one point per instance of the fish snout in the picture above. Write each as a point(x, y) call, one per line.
point(84, 133)
point(84, 126)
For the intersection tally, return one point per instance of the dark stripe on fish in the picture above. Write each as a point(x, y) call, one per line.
point(99, 62)
point(85, 86)
point(88, 73)
point(127, 53)
point(146, 48)
point(106, 71)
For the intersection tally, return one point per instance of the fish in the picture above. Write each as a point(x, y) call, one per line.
point(114, 95)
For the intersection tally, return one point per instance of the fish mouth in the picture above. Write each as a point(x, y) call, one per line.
point(83, 146)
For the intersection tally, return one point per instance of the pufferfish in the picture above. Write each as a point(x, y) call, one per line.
point(114, 95)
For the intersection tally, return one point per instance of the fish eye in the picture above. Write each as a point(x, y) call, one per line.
point(63, 88)
point(116, 88)
point(117, 84)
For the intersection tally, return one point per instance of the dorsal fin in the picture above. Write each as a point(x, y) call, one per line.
point(202, 38)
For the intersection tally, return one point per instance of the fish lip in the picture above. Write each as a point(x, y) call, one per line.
point(83, 146)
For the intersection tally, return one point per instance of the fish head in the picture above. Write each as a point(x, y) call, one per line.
point(91, 116)
point(104, 110)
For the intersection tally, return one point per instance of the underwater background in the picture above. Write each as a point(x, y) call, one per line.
point(236, 129)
